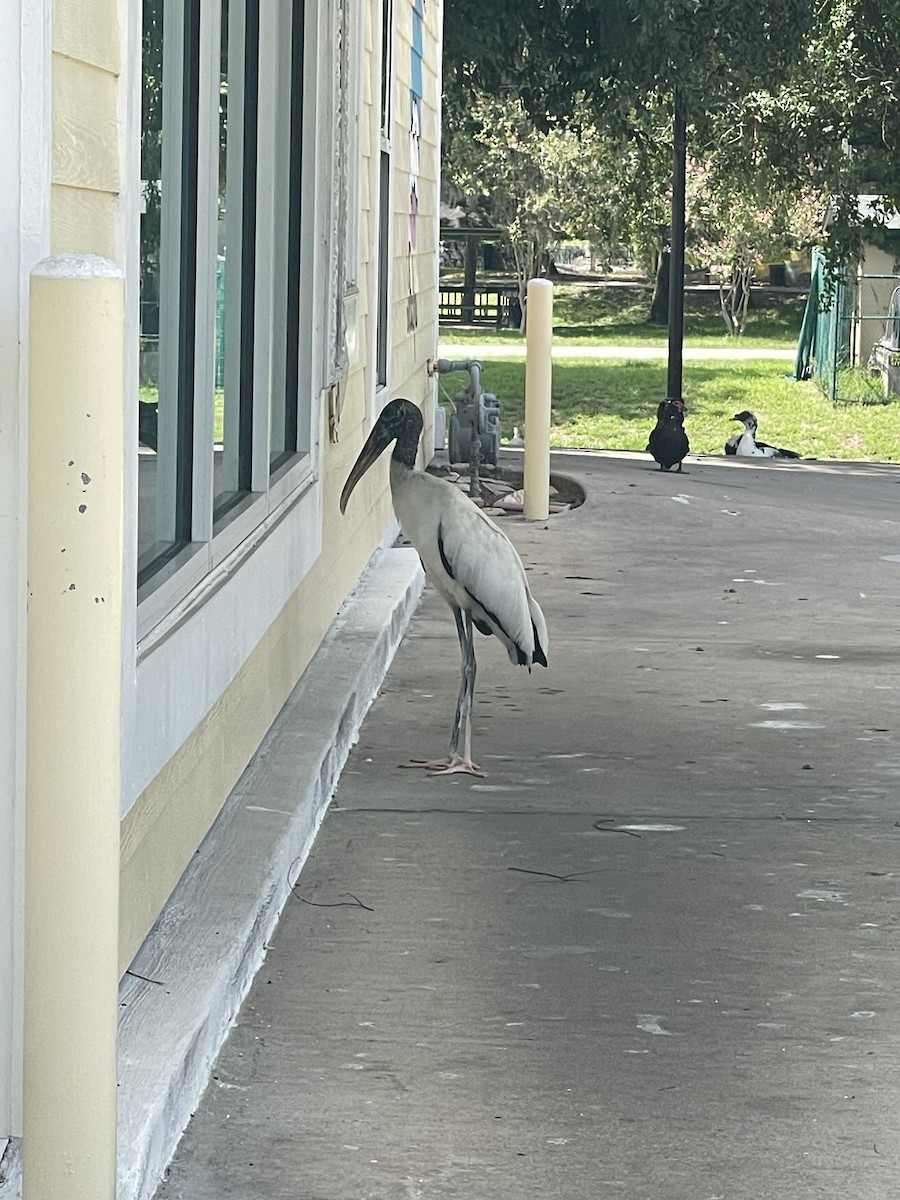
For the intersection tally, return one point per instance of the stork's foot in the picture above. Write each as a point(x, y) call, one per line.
point(458, 766)
point(453, 764)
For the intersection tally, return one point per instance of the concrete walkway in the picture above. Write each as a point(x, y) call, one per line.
point(655, 953)
point(561, 350)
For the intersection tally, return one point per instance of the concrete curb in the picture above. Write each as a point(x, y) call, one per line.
point(198, 962)
point(210, 940)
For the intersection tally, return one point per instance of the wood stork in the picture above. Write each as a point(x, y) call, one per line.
point(668, 443)
point(469, 560)
point(746, 445)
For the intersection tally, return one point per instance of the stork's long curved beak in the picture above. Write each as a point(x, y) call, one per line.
point(376, 443)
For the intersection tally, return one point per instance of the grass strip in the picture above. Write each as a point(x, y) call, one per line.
point(611, 404)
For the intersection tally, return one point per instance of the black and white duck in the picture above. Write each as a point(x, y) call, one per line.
point(747, 445)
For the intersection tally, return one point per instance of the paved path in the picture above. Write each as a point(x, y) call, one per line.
point(560, 350)
point(655, 953)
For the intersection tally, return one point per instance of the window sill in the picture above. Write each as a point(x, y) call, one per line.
point(195, 574)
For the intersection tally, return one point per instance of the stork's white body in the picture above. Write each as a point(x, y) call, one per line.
point(472, 564)
point(470, 561)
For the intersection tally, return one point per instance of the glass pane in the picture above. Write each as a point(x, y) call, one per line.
point(383, 313)
point(386, 64)
point(236, 263)
point(168, 274)
point(288, 219)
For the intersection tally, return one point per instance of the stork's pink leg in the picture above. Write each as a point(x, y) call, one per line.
point(456, 763)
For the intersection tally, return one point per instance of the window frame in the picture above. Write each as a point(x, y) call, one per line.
point(352, 28)
point(173, 583)
point(289, 206)
point(382, 339)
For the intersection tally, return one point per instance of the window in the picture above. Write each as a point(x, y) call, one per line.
point(170, 103)
point(229, 288)
point(236, 213)
point(383, 276)
point(351, 89)
point(289, 202)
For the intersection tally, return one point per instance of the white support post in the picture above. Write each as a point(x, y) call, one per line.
point(73, 734)
point(538, 392)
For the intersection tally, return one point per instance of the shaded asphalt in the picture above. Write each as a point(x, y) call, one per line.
point(655, 952)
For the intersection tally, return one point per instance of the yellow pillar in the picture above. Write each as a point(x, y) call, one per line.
point(538, 391)
point(75, 578)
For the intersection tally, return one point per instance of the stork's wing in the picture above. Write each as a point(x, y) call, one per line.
point(481, 560)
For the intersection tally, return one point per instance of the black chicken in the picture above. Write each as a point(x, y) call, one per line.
point(668, 443)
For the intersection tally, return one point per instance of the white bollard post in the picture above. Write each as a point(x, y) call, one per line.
point(73, 733)
point(538, 392)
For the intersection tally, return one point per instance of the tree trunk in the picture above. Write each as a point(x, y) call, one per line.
point(659, 306)
point(746, 278)
point(734, 298)
point(725, 303)
point(527, 255)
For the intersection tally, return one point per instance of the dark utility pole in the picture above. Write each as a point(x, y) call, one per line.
point(467, 312)
point(676, 261)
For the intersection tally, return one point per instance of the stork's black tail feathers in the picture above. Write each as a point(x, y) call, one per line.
point(539, 655)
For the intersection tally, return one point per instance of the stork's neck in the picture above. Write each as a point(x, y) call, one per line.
point(402, 479)
point(405, 450)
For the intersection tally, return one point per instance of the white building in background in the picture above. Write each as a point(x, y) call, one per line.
point(264, 173)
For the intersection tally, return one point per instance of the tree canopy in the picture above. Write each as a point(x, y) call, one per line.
point(789, 97)
point(617, 52)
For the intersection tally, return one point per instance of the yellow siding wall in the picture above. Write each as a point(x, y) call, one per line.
point(86, 150)
point(166, 824)
point(416, 272)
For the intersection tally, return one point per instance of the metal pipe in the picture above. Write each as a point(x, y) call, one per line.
point(474, 391)
point(73, 731)
point(538, 393)
point(444, 366)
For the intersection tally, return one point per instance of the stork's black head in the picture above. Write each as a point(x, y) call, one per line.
point(748, 418)
point(400, 421)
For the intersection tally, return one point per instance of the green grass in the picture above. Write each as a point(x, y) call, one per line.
point(857, 385)
point(611, 404)
point(598, 315)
